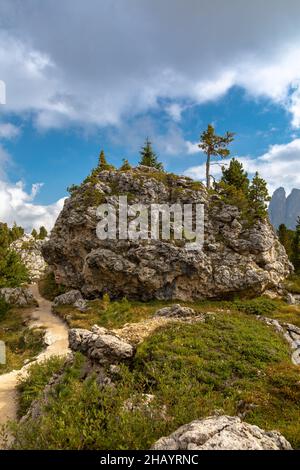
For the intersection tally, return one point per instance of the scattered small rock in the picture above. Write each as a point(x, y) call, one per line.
point(175, 310)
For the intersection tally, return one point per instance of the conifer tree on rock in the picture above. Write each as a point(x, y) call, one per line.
point(214, 145)
point(102, 164)
point(42, 233)
point(236, 176)
point(148, 156)
point(34, 233)
point(259, 196)
point(125, 165)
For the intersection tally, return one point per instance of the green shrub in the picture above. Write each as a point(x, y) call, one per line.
point(48, 287)
point(259, 306)
point(192, 370)
point(4, 308)
point(32, 386)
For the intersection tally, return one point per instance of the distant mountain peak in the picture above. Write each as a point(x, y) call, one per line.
point(284, 209)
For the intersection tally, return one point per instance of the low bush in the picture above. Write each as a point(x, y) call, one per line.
point(48, 287)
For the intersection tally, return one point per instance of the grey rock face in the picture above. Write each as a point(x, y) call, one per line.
point(277, 207)
point(222, 433)
point(30, 251)
point(72, 297)
point(175, 310)
point(235, 257)
point(290, 332)
point(100, 345)
point(292, 208)
point(285, 210)
point(18, 296)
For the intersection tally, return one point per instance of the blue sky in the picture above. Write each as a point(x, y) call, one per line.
point(82, 76)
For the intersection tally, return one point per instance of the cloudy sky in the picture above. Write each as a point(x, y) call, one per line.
point(85, 75)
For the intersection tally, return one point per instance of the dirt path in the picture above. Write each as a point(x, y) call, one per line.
point(56, 338)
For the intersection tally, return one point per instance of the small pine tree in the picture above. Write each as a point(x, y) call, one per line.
point(42, 233)
point(259, 196)
point(12, 271)
point(16, 232)
point(235, 176)
point(148, 157)
point(102, 161)
point(34, 233)
point(296, 247)
point(125, 165)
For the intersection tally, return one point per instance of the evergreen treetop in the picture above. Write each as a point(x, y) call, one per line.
point(148, 156)
point(235, 175)
point(259, 195)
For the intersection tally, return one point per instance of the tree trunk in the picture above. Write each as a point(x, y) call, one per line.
point(208, 171)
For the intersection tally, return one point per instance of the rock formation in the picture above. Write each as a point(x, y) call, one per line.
point(72, 297)
point(100, 345)
point(285, 210)
point(277, 207)
point(222, 433)
point(18, 296)
point(29, 250)
point(237, 257)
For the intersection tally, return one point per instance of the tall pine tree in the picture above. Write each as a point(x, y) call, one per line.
point(214, 145)
point(296, 247)
point(148, 157)
point(259, 196)
point(236, 176)
point(286, 239)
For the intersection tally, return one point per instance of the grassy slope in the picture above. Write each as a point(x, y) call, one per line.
point(232, 363)
point(21, 342)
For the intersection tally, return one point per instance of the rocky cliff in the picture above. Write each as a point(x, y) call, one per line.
point(29, 250)
point(237, 256)
point(285, 210)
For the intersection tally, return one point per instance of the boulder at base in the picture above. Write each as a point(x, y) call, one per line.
point(237, 256)
point(18, 296)
point(222, 433)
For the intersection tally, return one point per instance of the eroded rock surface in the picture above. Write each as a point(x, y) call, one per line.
point(222, 433)
point(100, 345)
point(72, 297)
point(237, 256)
point(18, 296)
point(175, 310)
point(30, 251)
point(290, 332)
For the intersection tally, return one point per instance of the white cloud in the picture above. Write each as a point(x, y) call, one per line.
point(8, 130)
point(279, 166)
point(174, 110)
point(192, 147)
point(18, 206)
point(96, 63)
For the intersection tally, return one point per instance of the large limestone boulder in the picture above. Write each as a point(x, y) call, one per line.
point(100, 345)
point(18, 296)
point(236, 257)
point(222, 433)
point(30, 251)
